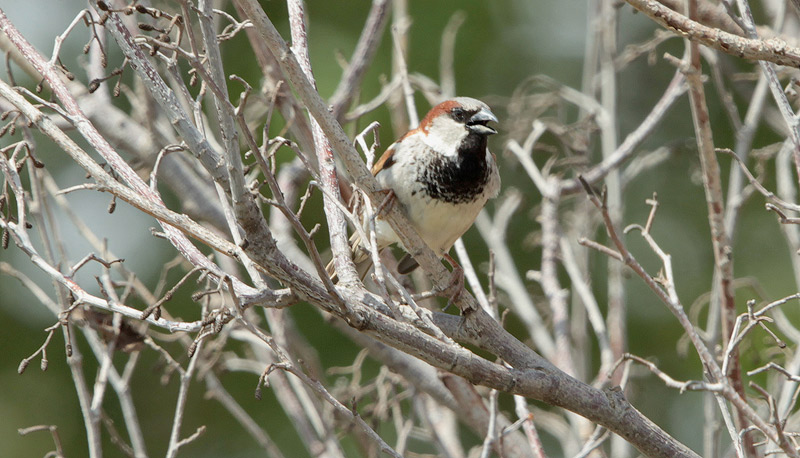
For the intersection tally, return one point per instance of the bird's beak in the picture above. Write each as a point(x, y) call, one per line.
point(478, 122)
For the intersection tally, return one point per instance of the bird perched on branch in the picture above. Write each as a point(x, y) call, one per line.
point(442, 173)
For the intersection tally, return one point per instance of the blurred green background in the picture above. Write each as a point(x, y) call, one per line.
point(500, 45)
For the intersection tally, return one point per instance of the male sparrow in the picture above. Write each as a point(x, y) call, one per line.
point(442, 173)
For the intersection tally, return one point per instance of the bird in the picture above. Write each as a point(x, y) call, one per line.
point(442, 173)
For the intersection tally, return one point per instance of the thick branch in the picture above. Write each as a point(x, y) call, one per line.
point(771, 50)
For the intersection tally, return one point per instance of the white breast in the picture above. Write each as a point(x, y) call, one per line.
point(439, 223)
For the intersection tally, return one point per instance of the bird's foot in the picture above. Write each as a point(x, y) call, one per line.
point(389, 197)
point(454, 290)
point(455, 287)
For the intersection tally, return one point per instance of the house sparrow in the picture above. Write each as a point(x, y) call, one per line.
point(442, 173)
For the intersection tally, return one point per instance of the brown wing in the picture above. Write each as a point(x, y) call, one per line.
point(387, 160)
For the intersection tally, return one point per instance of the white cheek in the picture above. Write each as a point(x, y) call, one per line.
point(445, 136)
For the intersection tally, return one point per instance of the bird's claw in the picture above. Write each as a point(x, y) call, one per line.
point(453, 290)
point(456, 284)
point(387, 201)
point(455, 287)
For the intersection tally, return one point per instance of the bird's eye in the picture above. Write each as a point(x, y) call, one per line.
point(459, 114)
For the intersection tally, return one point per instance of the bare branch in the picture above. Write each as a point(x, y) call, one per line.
point(770, 50)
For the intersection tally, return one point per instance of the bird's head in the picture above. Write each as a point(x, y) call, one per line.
point(452, 125)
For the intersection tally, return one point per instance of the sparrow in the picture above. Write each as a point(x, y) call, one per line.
point(442, 174)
